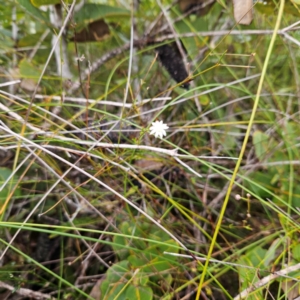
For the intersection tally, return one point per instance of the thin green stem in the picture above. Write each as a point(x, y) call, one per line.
point(243, 149)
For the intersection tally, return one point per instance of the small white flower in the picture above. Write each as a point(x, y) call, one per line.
point(82, 58)
point(158, 129)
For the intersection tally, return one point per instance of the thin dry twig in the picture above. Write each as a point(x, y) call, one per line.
point(138, 43)
point(71, 165)
point(266, 280)
point(26, 292)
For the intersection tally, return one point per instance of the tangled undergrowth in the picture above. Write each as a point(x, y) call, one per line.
point(93, 206)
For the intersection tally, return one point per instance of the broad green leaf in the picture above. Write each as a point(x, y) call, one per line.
point(91, 12)
point(142, 278)
point(121, 251)
point(137, 261)
point(261, 142)
point(28, 70)
point(260, 183)
point(116, 278)
point(139, 293)
point(160, 265)
point(32, 10)
point(111, 291)
point(118, 271)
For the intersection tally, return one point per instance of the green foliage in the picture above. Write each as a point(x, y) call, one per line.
point(270, 7)
point(34, 11)
point(122, 283)
point(267, 149)
point(91, 12)
point(5, 174)
point(248, 276)
point(122, 90)
point(44, 2)
point(28, 70)
point(141, 265)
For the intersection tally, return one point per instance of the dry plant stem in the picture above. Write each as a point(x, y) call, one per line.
point(155, 99)
point(264, 281)
point(207, 92)
point(15, 170)
point(22, 138)
point(288, 37)
point(97, 64)
point(223, 32)
point(84, 92)
point(90, 248)
point(103, 102)
point(67, 19)
point(62, 64)
point(90, 255)
point(128, 77)
point(69, 187)
point(150, 111)
point(268, 279)
point(172, 153)
point(106, 57)
point(25, 292)
point(37, 86)
point(238, 164)
point(18, 118)
point(10, 83)
point(187, 166)
point(47, 112)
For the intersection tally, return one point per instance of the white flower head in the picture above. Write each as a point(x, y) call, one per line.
point(158, 129)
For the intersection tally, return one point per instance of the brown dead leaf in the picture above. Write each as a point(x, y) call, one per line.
point(243, 11)
point(95, 31)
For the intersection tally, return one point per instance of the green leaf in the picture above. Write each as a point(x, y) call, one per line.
point(91, 12)
point(118, 271)
point(253, 258)
point(116, 279)
point(296, 252)
point(44, 2)
point(137, 261)
point(139, 293)
point(38, 3)
point(296, 196)
point(111, 291)
point(271, 252)
point(32, 10)
point(260, 183)
point(4, 175)
point(122, 252)
point(261, 142)
point(270, 7)
point(28, 70)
